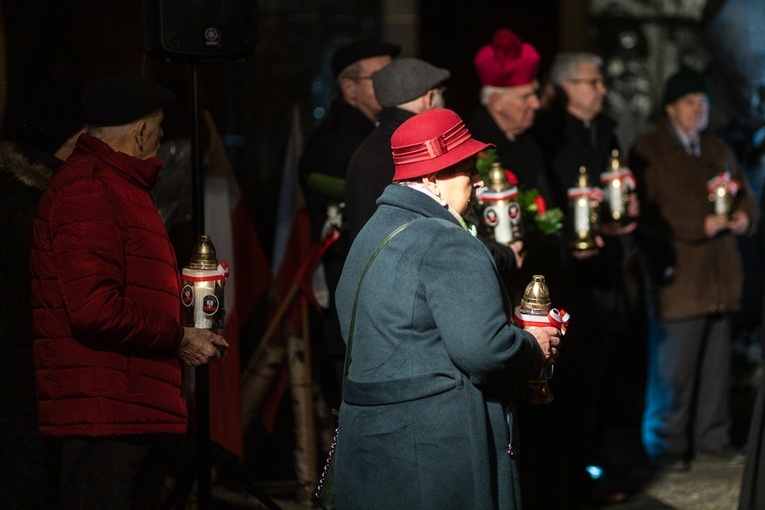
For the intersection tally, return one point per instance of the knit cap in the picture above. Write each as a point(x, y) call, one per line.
point(685, 81)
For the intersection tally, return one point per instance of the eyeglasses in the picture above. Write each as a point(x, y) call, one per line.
point(594, 82)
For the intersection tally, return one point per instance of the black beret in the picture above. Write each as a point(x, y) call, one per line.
point(356, 51)
point(122, 98)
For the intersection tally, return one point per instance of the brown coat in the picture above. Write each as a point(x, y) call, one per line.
point(707, 274)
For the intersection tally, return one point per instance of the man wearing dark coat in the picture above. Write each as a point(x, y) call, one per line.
point(350, 119)
point(508, 70)
point(509, 98)
point(40, 139)
point(574, 132)
point(404, 88)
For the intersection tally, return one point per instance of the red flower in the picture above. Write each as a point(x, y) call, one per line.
point(512, 180)
point(506, 44)
point(539, 201)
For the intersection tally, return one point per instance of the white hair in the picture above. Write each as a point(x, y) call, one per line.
point(353, 71)
point(565, 66)
point(489, 90)
point(102, 132)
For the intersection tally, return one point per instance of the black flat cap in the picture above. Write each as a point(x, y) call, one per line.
point(122, 98)
point(355, 51)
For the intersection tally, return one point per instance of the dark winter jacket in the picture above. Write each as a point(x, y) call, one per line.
point(329, 151)
point(707, 275)
point(105, 297)
point(423, 422)
point(567, 144)
point(371, 170)
point(21, 184)
point(521, 155)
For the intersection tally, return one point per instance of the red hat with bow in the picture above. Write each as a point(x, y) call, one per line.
point(431, 141)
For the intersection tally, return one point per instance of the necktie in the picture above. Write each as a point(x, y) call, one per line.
point(693, 148)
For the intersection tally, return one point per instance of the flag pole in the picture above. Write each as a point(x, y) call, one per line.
point(310, 262)
point(201, 373)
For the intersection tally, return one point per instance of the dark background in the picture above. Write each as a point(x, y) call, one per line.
point(252, 99)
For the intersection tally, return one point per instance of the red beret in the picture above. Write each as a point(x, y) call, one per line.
point(507, 61)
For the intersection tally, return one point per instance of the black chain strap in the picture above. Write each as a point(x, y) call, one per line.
point(348, 348)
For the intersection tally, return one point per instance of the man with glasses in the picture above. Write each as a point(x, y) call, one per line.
point(350, 119)
point(404, 88)
point(573, 132)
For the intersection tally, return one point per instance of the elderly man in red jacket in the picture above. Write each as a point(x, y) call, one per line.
point(108, 339)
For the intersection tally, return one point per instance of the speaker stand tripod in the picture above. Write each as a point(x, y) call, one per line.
point(202, 464)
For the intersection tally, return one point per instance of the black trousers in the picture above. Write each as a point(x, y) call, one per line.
point(102, 472)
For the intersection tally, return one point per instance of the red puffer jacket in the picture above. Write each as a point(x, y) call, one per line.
point(105, 300)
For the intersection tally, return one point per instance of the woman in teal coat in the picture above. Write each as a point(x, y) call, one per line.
point(427, 419)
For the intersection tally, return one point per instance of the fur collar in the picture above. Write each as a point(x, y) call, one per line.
point(14, 163)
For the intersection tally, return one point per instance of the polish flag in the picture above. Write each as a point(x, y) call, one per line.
point(230, 226)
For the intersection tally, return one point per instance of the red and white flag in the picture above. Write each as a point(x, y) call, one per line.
point(233, 233)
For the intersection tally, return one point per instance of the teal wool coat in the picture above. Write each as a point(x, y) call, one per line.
point(426, 421)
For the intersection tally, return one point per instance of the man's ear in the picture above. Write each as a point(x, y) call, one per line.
point(428, 101)
point(494, 99)
point(348, 90)
point(139, 133)
point(562, 93)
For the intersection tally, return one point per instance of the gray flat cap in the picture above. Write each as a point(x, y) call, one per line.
point(405, 79)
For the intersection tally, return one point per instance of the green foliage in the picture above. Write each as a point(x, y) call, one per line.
point(537, 218)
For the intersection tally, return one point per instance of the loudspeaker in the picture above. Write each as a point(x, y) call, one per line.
point(199, 29)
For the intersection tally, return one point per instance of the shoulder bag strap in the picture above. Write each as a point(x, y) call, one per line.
point(349, 345)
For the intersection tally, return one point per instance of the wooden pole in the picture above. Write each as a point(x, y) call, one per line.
point(281, 311)
point(257, 385)
point(299, 360)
